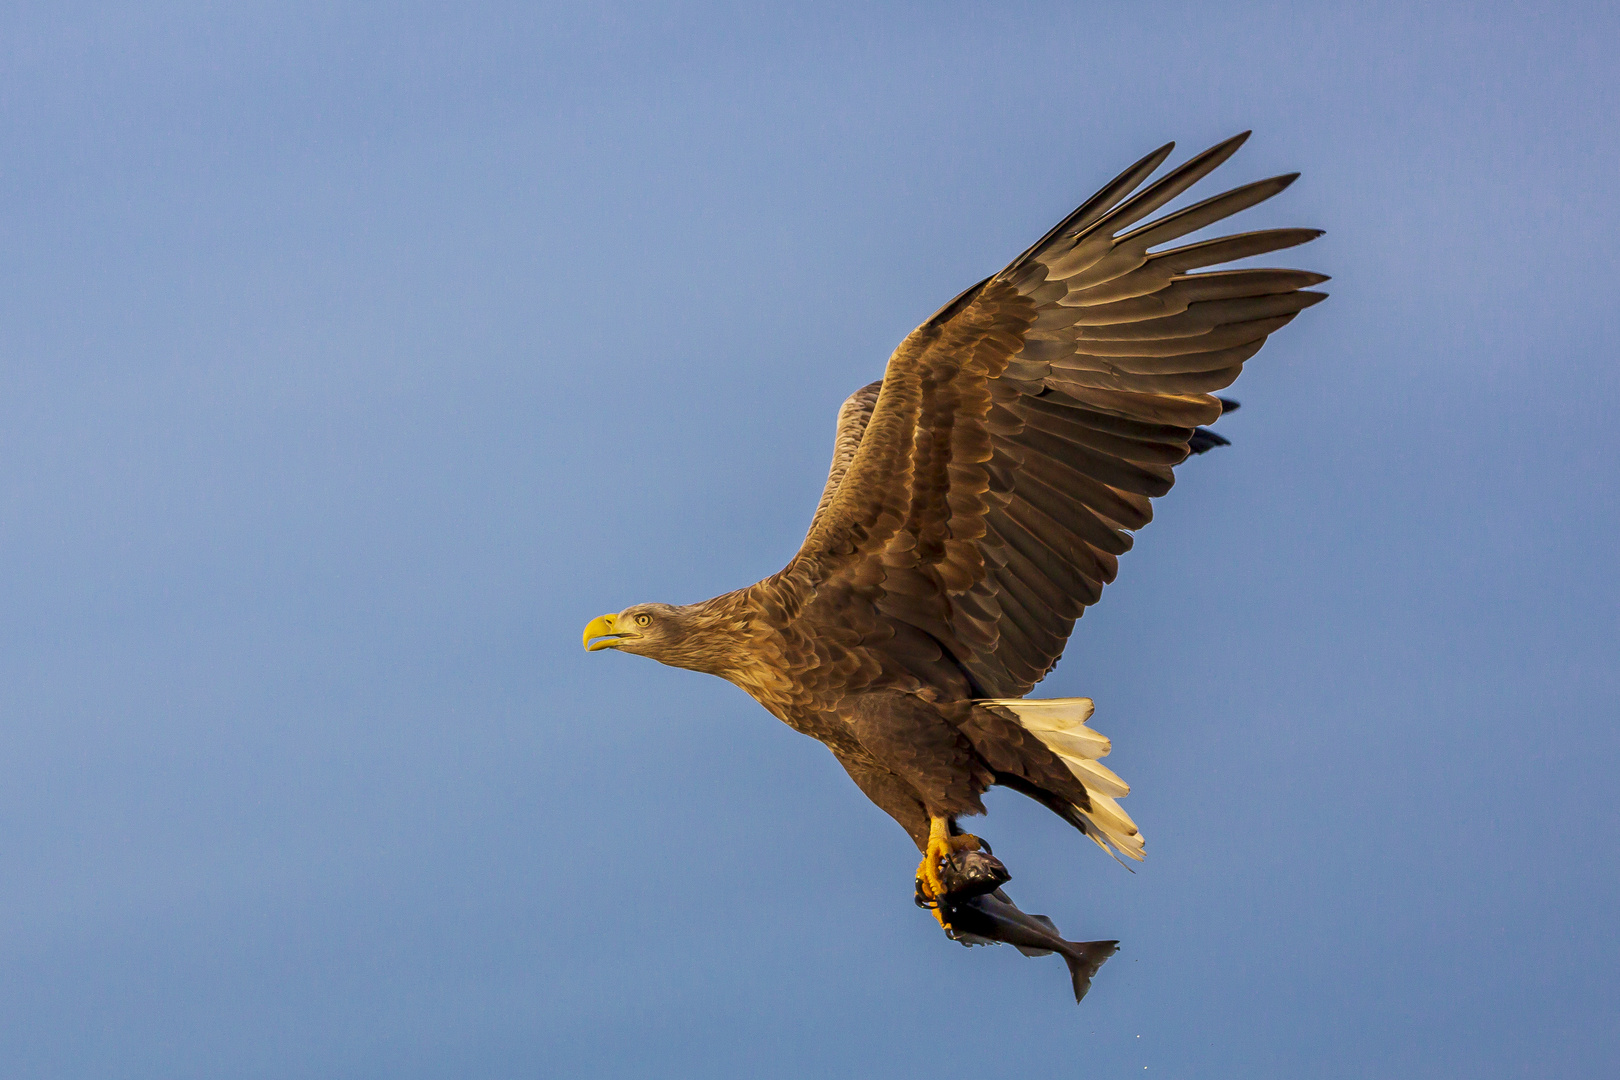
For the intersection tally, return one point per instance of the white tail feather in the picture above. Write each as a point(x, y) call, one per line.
point(1059, 710)
point(1060, 724)
point(1070, 743)
point(1098, 777)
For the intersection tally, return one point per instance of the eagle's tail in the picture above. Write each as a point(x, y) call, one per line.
point(1060, 724)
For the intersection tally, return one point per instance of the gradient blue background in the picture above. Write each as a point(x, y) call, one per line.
point(352, 357)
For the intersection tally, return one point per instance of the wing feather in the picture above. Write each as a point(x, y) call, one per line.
point(852, 418)
point(981, 494)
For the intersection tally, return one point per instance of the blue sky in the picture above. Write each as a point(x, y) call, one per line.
point(353, 356)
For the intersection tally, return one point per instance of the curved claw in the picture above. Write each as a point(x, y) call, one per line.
point(928, 870)
point(941, 844)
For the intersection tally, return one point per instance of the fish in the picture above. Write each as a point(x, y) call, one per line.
point(977, 911)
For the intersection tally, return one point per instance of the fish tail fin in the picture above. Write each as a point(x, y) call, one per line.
point(1084, 958)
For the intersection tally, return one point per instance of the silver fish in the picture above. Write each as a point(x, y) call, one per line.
point(993, 917)
point(976, 915)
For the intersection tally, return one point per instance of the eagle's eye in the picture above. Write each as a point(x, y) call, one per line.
point(643, 620)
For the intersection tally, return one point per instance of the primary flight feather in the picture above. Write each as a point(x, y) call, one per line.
point(979, 498)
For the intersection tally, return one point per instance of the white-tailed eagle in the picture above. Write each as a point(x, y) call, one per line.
point(979, 499)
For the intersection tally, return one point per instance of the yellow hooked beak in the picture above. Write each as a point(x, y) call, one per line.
point(602, 628)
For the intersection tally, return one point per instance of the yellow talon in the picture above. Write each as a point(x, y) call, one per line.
point(940, 846)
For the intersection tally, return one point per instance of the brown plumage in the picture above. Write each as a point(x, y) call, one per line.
point(979, 499)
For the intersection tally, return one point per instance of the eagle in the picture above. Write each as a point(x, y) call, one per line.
point(980, 496)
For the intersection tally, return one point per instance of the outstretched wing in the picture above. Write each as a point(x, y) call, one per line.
point(983, 492)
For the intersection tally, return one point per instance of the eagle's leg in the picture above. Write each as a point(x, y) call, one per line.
point(941, 845)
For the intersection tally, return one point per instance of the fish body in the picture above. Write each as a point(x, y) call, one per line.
point(993, 917)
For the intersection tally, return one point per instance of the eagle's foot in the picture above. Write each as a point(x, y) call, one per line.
point(941, 845)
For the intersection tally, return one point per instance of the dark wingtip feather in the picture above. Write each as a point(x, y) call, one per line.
point(1204, 440)
point(1228, 405)
point(1104, 199)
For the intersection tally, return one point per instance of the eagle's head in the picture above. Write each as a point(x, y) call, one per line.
point(687, 636)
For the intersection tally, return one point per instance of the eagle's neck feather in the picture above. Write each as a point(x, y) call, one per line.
point(715, 637)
